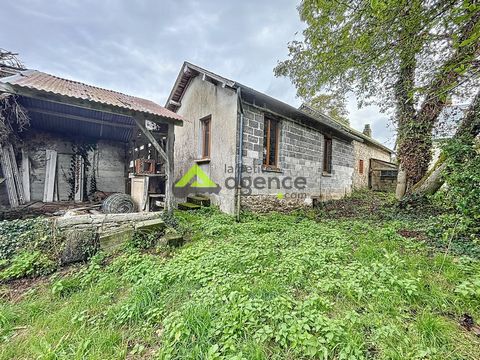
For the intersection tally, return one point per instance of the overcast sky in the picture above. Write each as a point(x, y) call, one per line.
point(137, 47)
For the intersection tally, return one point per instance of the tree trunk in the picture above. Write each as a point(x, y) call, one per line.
point(468, 127)
point(415, 132)
point(431, 182)
point(401, 183)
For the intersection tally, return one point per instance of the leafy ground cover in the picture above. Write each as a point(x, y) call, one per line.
point(271, 287)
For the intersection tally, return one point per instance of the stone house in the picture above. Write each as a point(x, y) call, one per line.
point(261, 152)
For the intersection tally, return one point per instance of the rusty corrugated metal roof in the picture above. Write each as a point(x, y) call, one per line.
point(43, 82)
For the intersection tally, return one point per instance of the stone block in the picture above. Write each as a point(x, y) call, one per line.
point(155, 225)
point(248, 130)
point(252, 154)
point(113, 241)
point(79, 245)
point(172, 238)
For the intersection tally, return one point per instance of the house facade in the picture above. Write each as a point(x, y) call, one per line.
point(368, 154)
point(264, 154)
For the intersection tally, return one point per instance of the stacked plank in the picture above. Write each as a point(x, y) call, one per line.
point(13, 181)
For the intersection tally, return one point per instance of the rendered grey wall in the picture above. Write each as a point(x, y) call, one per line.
point(201, 99)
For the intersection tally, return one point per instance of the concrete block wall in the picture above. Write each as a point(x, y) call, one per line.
point(300, 155)
point(339, 183)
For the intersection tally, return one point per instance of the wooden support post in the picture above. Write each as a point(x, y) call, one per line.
point(151, 138)
point(166, 156)
point(145, 199)
point(169, 169)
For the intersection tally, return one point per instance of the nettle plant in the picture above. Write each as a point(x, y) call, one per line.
point(27, 248)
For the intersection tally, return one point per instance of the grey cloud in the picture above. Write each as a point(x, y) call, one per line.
point(137, 47)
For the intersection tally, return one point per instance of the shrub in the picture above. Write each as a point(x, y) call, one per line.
point(29, 234)
point(143, 240)
point(28, 264)
point(463, 179)
point(169, 219)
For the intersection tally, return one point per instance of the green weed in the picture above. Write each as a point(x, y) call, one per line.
point(269, 287)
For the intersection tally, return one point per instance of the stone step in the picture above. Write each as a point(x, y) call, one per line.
point(199, 200)
point(188, 206)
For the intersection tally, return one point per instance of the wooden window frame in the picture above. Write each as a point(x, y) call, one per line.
point(266, 164)
point(327, 155)
point(206, 123)
point(361, 166)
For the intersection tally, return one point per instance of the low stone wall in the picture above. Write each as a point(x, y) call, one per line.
point(103, 222)
point(85, 234)
point(270, 203)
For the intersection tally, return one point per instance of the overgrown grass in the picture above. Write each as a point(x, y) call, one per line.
point(270, 287)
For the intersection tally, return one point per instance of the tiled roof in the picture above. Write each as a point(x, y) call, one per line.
point(42, 82)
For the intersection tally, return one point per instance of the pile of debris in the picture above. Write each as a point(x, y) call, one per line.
point(116, 203)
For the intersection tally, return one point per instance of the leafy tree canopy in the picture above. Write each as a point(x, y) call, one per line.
point(331, 105)
point(357, 46)
point(407, 55)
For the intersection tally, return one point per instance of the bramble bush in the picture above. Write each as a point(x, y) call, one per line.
point(462, 193)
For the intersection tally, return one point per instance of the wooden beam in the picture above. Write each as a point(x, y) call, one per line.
point(16, 175)
point(151, 138)
point(79, 177)
point(26, 175)
point(79, 118)
point(8, 174)
point(169, 169)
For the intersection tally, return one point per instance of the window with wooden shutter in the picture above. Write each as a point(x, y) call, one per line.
point(360, 166)
point(271, 136)
point(327, 155)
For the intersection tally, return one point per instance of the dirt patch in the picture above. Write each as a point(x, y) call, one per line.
point(359, 205)
point(15, 290)
point(419, 235)
point(468, 323)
